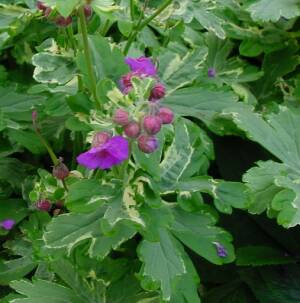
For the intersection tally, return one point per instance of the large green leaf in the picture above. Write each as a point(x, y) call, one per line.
point(45, 291)
point(69, 230)
point(15, 269)
point(197, 231)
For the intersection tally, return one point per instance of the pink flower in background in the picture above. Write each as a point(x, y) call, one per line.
point(8, 224)
point(142, 66)
point(111, 153)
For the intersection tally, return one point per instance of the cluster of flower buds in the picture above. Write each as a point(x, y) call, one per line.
point(61, 20)
point(146, 128)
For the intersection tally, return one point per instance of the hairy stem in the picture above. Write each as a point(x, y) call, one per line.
point(141, 24)
point(87, 54)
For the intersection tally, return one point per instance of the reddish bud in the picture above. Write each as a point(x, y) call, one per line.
point(152, 124)
point(100, 138)
point(166, 115)
point(147, 144)
point(157, 92)
point(47, 11)
point(62, 21)
point(43, 205)
point(60, 171)
point(132, 129)
point(41, 6)
point(59, 204)
point(121, 117)
point(125, 83)
point(87, 11)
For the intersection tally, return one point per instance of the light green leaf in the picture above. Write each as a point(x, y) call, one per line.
point(177, 71)
point(69, 230)
point(163, 262)
point(87, 195)
point(51, 68)
point(272, 10)
point(189, 153)
point(44, 291)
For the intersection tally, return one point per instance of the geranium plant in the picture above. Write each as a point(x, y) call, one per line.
point(149, 151)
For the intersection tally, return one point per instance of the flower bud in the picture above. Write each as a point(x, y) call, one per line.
point(87, 11)
point(62, 21)
point(147, 144)
point(43, 205)
point(152, 124)
point(166, 115)
point(125, 83)
point(132, 129)
point(47, 11)
point(41, 6)
point(59, 204)
point(121, 117)
point(100, 138)
point(157, 92)
point(60, 171)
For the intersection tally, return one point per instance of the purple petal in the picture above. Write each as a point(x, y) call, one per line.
point(112, 153)
point(142, 66)
point(221, 250)
point(8, 224)
point(211, 73)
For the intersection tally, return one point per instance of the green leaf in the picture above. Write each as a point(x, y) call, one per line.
point(261, 255)
point(197, 231)
point(272, 10)
point(12, 171)
point(69, 230)
point(15, 269)
point(108, 59)
point(45, 291)
point(177, 72)
point(54, 69)
point(28, 139)
point(87, 195)
point(163, 262)
point(260, 181)
point(15, 209)
point(189, 153)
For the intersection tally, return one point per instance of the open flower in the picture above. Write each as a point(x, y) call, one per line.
point(142, 66)
point(8, 224)
point(111, 153)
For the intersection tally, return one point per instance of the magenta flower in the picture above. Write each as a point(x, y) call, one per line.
point(143, 66)
point(8, 224)
point(111, 153)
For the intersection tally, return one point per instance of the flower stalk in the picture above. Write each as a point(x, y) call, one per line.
point(141, 24)
point(87, 54)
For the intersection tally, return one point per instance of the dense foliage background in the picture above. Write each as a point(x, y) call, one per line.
point(213, 215)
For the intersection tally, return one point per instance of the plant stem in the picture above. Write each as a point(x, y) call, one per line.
point(87, 55)
point(141, 24)
point(132, 9)
point(48, 147)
